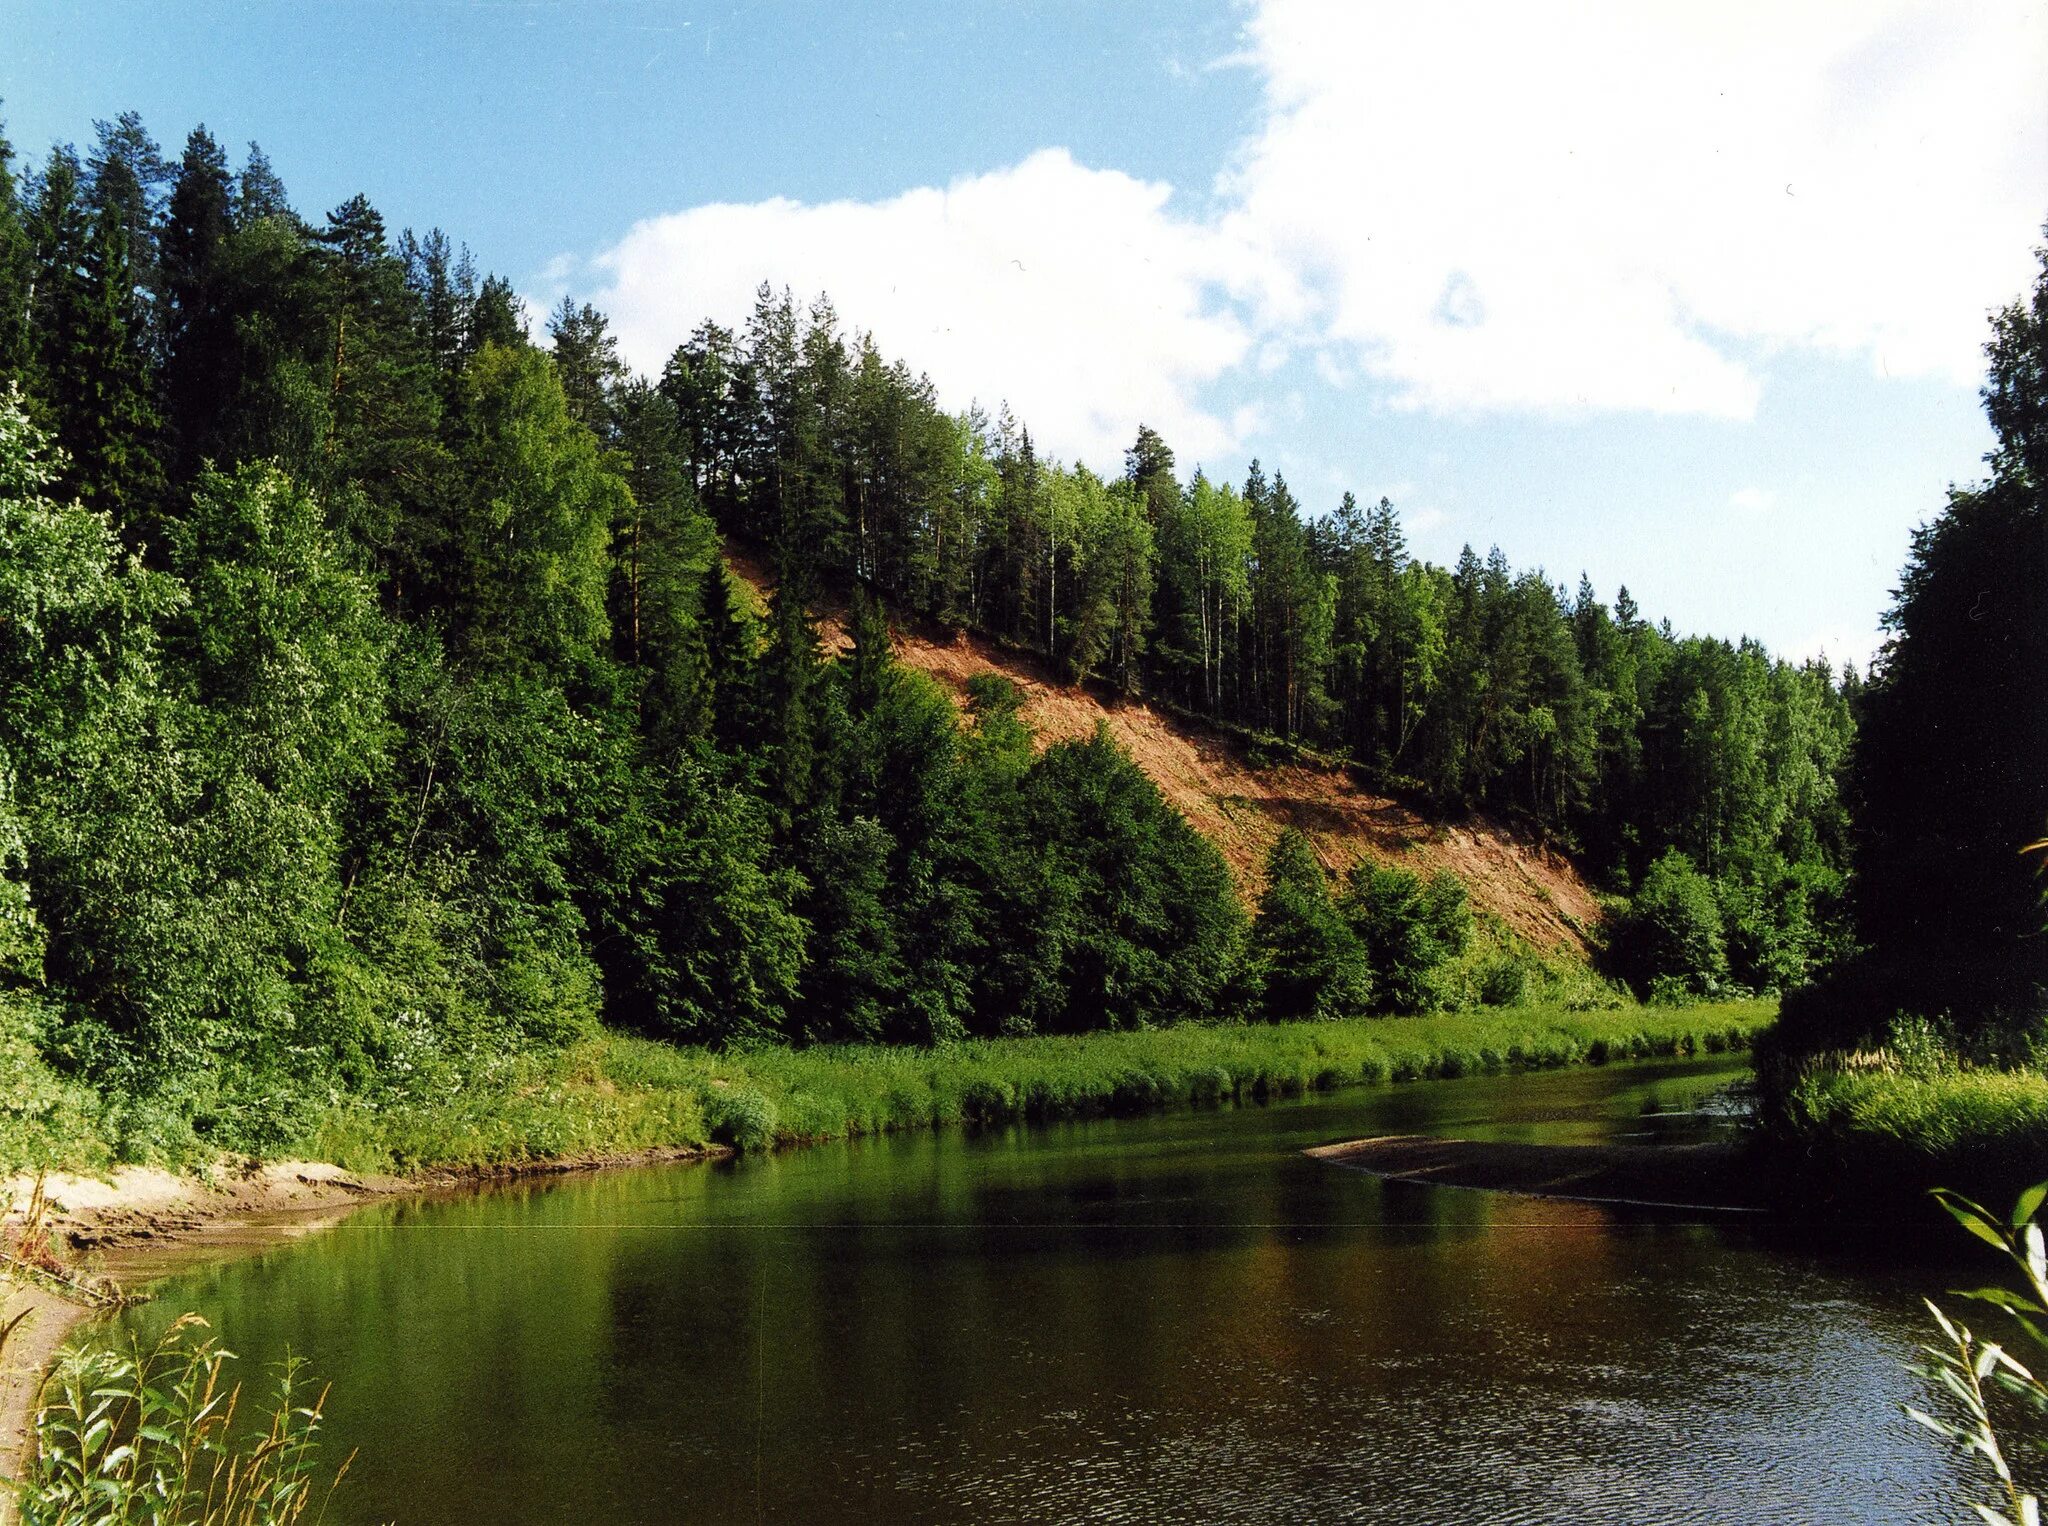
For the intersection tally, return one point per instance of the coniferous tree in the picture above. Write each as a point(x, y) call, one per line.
point(1308, 958)
point(587, 361)
point(497, 317)
point(259, 193)
point(127, 174)
point(201, 376)
point(17, 275)
point(1946, 766)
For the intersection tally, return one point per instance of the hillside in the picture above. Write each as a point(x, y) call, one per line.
point(1242, 807)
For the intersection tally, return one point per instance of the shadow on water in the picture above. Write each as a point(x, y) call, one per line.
point(1143, 1319)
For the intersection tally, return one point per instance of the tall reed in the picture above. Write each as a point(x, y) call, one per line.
point(149, 1436)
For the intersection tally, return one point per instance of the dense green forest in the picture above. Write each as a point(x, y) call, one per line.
point(1949, 775)
point(373, 692)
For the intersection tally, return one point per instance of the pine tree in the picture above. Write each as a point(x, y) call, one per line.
point(101, 382)
point(1955, 722)
point(1148, 467)
point(732, 644)
point(869, 658)
point(17, 272)
point(498, 318)
point(127, 174)
point(790, 720)
point(587, 359)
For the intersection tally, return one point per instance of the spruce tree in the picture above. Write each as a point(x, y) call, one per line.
point(201, 374)
point(1308, 959)
point(1954, 728)
point(17, 272)
point(732, 644)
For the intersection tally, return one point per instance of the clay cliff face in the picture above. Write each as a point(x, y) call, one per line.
point(1242, 807)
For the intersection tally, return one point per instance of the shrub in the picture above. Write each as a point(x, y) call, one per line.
point(1973, 1371)
point(741, 1117)
point(1672, 930)
point(1503, 981)
point(1311, 963)
point(150, 1436)
point(1406, 929)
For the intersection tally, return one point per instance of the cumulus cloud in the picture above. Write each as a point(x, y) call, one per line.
point(1468, 208)
point(1752, 500)
point(1626, 206)
point(1073, 293)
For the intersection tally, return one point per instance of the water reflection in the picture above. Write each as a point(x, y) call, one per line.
point(1141, 1320)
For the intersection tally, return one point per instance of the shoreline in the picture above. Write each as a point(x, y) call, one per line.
point(142, 1223)
point(137, 1224)
point(1692, 1178)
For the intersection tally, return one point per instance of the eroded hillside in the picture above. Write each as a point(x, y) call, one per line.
point(1242, 807)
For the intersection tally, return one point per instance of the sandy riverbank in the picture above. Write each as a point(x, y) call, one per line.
point(1697, 1176)
point(140, 1224)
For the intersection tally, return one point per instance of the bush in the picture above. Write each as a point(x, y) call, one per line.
point(1311, 963)
point(1672, 931)
point(1407, 931)
point(1503, 981)
point(741, 1117)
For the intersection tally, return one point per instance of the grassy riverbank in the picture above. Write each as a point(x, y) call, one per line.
point(617, 1095)
point(1884, 1134)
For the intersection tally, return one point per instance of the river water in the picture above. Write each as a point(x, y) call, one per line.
point(1167, 1318)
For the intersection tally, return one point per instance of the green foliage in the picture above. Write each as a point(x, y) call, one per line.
point(1129, 911)
point(617, 1093)
point(1671, 931)
point(1408, 929)
point(1503, 981)
point(1780, 921)
point(1953, 727)
point(46, 1121)
point(534, 534)
point(1971, 1371)
point(1309, 960)
point(1867, 1129)
point(378, 713)
point(156, 1436)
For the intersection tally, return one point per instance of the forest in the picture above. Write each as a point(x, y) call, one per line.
point(374, 692)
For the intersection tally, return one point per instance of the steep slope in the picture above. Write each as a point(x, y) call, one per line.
point(1242, 807)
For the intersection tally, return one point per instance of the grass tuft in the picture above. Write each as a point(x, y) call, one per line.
point(1872, 1131)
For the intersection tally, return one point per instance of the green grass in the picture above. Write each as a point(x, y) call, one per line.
point(615, 1095)
point(1864, 1134)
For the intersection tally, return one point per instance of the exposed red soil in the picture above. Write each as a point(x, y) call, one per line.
point(1242, 807)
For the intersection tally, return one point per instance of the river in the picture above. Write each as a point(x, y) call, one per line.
point(1166, 1318)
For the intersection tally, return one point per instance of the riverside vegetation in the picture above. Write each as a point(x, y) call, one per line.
point(1972, 1371)
point(390, 768)
point(376, 704)
point(1921, 1058)
point(158, 1437)
point(616, 1094)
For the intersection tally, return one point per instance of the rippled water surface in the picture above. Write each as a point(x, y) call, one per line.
point(1173, 1318)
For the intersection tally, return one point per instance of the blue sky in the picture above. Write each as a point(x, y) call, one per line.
point(1689, 298)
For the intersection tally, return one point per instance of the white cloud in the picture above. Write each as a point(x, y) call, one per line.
point(1073, 293)
point(1836, 647)
point(1752, 500)
point(1609, 207)
point(1626, 206)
